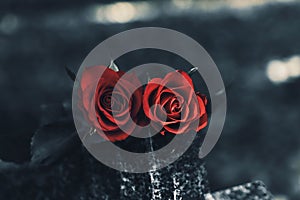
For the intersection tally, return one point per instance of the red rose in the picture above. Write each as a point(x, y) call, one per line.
point(181, 112)
point(96, 94)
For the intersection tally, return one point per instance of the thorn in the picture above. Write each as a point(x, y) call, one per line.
point(193, 70)
point(113, 66)
point(70, 74)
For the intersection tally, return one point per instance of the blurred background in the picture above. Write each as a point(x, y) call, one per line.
point(255, 44)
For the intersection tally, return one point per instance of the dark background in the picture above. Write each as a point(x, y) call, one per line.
point(260, 140)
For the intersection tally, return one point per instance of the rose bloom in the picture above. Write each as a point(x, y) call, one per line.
point(96, 94)
point(174, 107)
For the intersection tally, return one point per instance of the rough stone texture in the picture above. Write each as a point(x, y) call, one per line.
point(250, 191)
point(180, 180)
point(80, 176)
point(65, 170)
point(186, 178)
point(134, 186)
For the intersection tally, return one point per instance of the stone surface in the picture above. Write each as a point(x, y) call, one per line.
point(180, 180)
point(80, 176)
point(186, 178)
point(250, 191)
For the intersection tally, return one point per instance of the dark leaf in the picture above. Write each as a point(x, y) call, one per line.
point(4, 166)
point(52, 141)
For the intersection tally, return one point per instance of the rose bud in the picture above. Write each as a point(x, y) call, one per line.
point(173, 104)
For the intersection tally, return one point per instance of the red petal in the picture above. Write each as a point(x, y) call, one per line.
point(203, 122)
point(91, 75)
point(187, 77)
